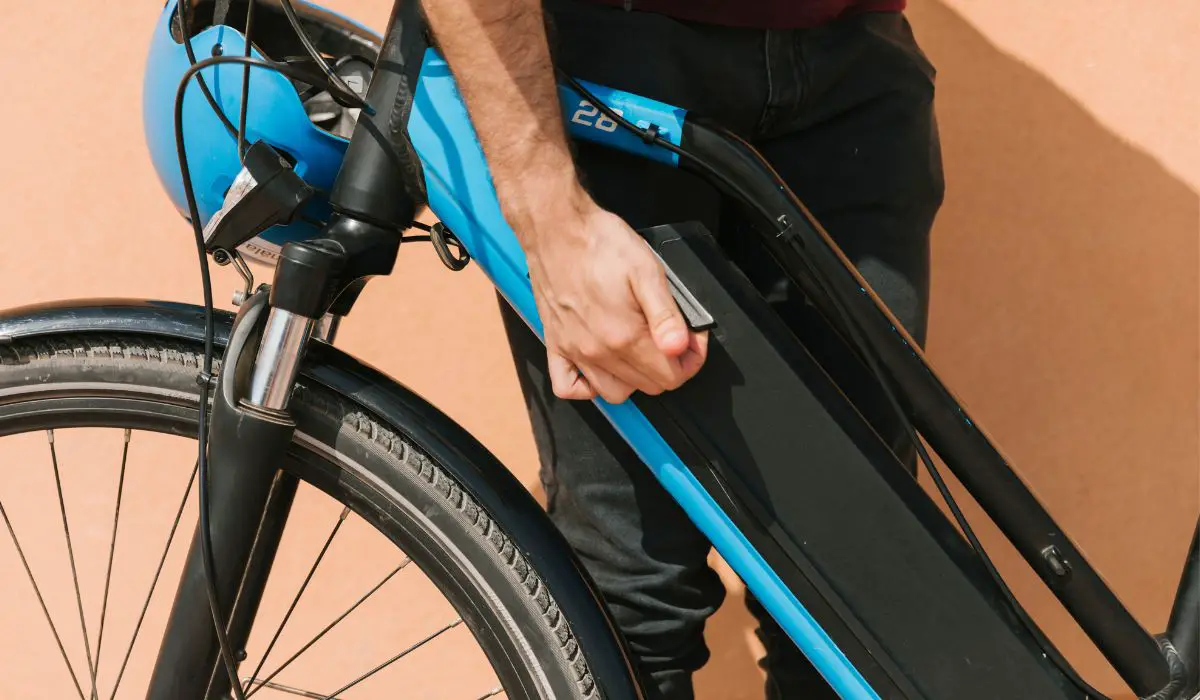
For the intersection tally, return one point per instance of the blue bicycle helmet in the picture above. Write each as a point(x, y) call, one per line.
point(300, 121)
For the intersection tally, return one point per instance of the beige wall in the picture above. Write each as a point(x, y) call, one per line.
point(1066, 257)
point(1065, 290)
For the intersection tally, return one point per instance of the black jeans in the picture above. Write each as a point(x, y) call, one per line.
point(844, 113)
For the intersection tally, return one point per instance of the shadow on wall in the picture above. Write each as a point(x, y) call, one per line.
point(1065, 311)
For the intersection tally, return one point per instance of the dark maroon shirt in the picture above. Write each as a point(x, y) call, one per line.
point(760, 14)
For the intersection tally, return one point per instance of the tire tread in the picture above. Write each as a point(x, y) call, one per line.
point(183, 358)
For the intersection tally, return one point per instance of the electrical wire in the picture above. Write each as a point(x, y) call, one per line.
point(205, 380)
point(245, 109)
point(868, 352)
point(657, 140)
point(351, 97)
point(205, 377)
point(182, 12)
point(338, 88)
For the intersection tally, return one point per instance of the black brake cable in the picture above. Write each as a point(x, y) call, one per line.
point(245, 108)
point(205, 378)
point(348, 95)
point(338, 88)
point(869, 355)
point(181, 11)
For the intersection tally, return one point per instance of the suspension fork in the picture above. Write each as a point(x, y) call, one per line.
point(270, 527)
point(375, 197)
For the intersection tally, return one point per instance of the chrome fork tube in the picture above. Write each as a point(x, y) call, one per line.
point(278, 360)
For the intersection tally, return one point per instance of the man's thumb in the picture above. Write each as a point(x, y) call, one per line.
point(667, 326)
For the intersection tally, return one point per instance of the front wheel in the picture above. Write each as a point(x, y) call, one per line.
point(423, 591)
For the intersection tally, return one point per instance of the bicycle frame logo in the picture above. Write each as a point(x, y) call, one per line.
point(587, 112)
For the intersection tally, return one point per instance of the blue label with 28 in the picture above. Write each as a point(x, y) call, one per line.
point(585, 121)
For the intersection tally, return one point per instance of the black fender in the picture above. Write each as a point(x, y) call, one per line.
point(404, 411)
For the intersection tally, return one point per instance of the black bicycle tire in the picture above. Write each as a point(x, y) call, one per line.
point(384, 477)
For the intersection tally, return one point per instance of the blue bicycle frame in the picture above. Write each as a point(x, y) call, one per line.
point(462, 196)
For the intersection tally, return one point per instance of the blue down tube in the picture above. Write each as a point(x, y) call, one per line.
point(461, 195)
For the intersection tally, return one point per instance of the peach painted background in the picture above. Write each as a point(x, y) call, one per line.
point(1065, 308)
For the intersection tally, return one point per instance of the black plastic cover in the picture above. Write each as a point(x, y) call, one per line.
point(830, 507)
point(277, 195)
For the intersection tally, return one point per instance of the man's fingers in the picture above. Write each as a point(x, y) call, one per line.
point(667, 372)
point(693, 358)
point(582, 382)
point(618, 378)
point(566, 380)
point(667, 326)
point(642, 381)
point(646, 368)
point(606, 384)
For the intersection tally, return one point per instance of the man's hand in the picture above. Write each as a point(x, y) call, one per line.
point(611, 324)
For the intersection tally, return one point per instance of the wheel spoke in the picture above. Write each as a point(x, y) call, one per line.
point(296, 600)
point(62, 509)
point(491, 693)
point(290, 690)
point(259, 684)
point(41, 601)
point(154, 583)
point(394, 659)
point(112, 548)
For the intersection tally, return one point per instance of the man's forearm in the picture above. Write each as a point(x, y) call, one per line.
point(501, 61)
point(609, 322)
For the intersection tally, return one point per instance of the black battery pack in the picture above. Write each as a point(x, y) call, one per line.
point(829, 506)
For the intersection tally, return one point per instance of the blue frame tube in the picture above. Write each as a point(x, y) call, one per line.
point(461, 195)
